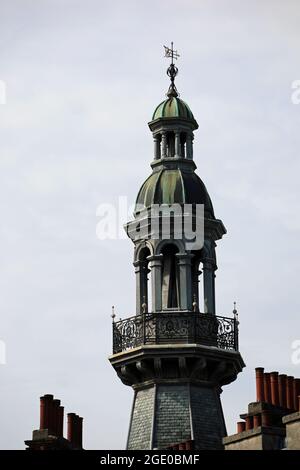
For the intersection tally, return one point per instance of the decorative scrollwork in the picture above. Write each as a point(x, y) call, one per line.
point(175, 327)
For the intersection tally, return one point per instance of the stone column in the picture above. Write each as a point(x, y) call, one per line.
point(196, 272)
point(185, 280)
point(163, 145)
point(156, 147)
point(177, 144)
point(182, 150)
point(141, 271)
point(189, 146)
point(209, 285)
point(156, 269)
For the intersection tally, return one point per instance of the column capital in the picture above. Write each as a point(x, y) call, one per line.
point(140, 263)
point(184, 258)
point(155, 259)
point(137, 263)
point(209, 264)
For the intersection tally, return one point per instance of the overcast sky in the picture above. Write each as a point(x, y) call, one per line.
point(82, 79)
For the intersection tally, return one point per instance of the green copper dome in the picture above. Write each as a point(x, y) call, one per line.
point(171, 186)
point(173, 107)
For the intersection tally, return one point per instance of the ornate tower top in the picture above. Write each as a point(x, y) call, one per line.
point(173, 106)
point(173, 182)
point(175, 349)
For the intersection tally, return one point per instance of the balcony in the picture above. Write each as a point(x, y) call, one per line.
point(175, 328)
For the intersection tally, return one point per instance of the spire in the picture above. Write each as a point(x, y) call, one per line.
point(172, 70)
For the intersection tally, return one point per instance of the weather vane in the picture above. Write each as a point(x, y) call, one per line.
point(172, 70)
point(169, 52)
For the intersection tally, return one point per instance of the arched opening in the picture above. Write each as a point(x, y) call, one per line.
point(144, 294)
point(170, 278)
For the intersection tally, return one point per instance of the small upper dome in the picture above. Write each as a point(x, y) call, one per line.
point(171, 186)
point(173, 107)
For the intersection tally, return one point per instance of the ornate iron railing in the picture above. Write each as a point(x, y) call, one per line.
point(175, 327)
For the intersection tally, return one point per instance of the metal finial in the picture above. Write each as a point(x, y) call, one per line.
point(113, 316)
point(234, 311)
point(172, 70)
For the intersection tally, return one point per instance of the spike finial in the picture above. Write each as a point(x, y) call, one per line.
point(113, 315)
point(234, 311)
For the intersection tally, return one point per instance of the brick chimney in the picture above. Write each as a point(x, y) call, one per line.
point(75, 430)
point(264, 425)
point(45, 411)
point(50, 434)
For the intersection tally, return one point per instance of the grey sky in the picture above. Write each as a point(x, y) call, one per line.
point(83, 78)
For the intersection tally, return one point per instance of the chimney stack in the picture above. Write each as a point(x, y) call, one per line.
point(274, 388)
point(80, 426)
point(267, 387)
point(55, 428)
point(282, 390)
point(75, 430)
point(51, 417)
point(259, 376)
point(265, 418)
point(249, 422)
point(60, 426)
point(289, 392)
point(296, 392)
point(71, 427)
point(241, 426)
point(295, 395)
point(50, 434)
point(277, 397)
point(297, 386)
point(256, 421)
point(45, 411)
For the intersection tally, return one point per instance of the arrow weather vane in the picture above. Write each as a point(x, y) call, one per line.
point(172, 69)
